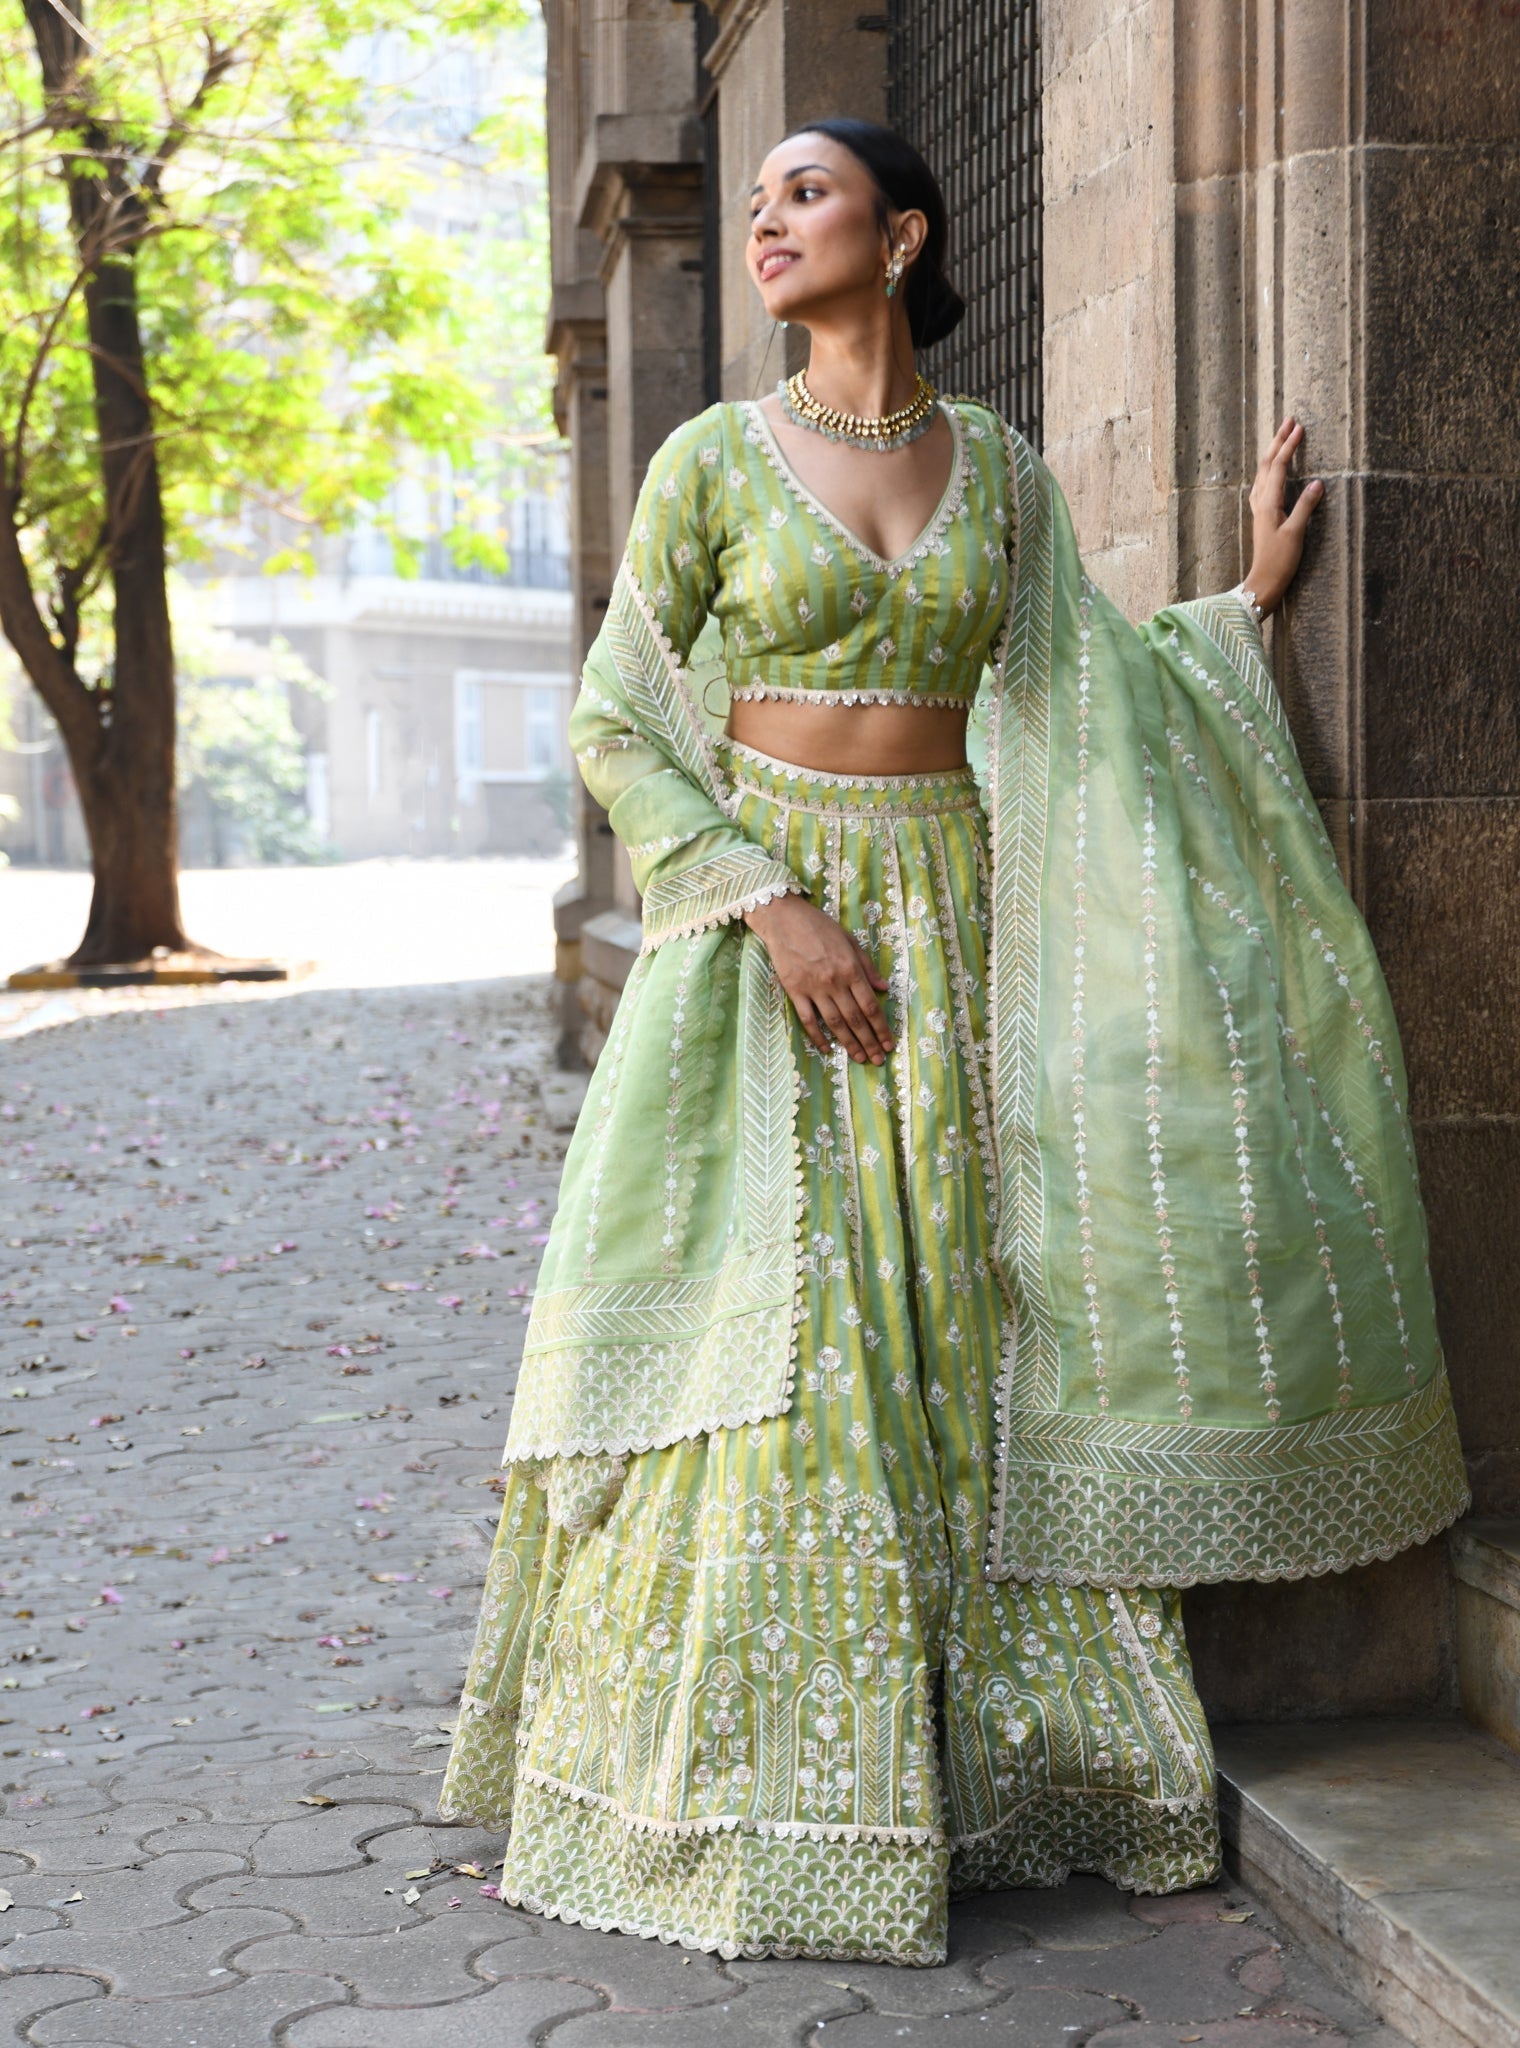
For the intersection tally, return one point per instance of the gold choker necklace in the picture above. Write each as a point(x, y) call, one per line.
point(891, 430)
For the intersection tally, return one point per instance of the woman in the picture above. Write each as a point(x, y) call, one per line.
point(993, 1209)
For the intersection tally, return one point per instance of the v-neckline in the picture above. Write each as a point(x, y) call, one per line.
point(939, 519)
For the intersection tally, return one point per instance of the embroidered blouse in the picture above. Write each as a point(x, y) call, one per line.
point(809, 612)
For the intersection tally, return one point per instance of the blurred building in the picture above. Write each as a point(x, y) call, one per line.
point(447, 693)
point(443, 730)
point(40, 819)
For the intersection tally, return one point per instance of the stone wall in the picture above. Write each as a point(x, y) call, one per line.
point(1108, 284)
point(1314, 206)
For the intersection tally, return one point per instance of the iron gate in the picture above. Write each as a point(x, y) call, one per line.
point(964, 88)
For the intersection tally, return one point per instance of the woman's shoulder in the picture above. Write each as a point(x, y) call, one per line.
point(983, 422)
point(700, 439)
point(683, 479)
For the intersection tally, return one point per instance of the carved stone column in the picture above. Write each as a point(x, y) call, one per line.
point(625, 193)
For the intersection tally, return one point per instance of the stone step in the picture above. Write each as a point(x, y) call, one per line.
point(1392, 1850)
point(1485, 1562)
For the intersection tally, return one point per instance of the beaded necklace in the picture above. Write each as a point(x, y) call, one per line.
point(889, 430)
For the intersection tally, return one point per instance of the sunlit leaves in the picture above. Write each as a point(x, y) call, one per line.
point(309, 320)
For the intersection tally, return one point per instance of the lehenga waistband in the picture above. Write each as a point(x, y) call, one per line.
point(793, 787)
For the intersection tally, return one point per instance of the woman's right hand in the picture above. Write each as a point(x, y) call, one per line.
point(831, 983)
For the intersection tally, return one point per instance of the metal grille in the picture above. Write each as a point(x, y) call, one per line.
point(964, 88)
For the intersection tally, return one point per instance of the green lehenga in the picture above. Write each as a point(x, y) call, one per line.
point(773, 1703)
point(869, 1418)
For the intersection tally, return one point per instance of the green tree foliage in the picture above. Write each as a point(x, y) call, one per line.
point(300, 332)
point(212, 296)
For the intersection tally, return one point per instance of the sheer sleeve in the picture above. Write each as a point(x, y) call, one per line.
point(636, 731)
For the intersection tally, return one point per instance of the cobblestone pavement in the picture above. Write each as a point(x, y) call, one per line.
point(263, 1266)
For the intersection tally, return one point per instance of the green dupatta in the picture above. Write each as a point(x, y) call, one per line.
point(1221, 1358)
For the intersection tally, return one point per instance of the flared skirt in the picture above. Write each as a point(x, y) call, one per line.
point(756, 1692)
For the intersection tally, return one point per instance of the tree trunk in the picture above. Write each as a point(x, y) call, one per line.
point(127, 789)
point(135, 903)
point(121, 742)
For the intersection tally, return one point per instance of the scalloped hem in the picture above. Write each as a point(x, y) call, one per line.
point(718, 1824)
point(708, 920)
point(1178, 1572)
point(741, 1892)
point(730, 1951)
point(1145, 1846)
point(734, 1893)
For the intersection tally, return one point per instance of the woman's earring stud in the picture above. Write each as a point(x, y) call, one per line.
point(896, 265)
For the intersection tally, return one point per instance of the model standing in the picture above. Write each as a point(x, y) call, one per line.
point(994, 1208)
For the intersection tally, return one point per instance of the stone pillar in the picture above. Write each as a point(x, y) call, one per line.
point(1314, 206)
point(578, 339)
point(625, 166)
point(1108, 282)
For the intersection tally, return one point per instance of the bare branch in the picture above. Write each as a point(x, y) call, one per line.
point(53, 673)
point(39, 360)
point(74, 23)
point(220, 59)
point(75, 582)
point(26, 131)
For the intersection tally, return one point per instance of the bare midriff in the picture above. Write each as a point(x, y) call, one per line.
point(852, 739)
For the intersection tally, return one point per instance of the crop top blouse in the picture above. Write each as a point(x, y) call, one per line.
point(806, 611)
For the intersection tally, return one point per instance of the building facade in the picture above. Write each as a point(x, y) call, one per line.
point(442, 726)
point(1175, 220)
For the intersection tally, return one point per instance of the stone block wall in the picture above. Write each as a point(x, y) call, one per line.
point(1108, 285)
point(1311, 206)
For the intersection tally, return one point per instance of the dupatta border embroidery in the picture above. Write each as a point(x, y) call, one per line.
point(1018, 796)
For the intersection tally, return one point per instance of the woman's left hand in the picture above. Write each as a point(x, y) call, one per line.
point(1277, 541)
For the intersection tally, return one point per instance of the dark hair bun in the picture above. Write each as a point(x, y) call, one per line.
point(935, 307)
point(906, 184)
